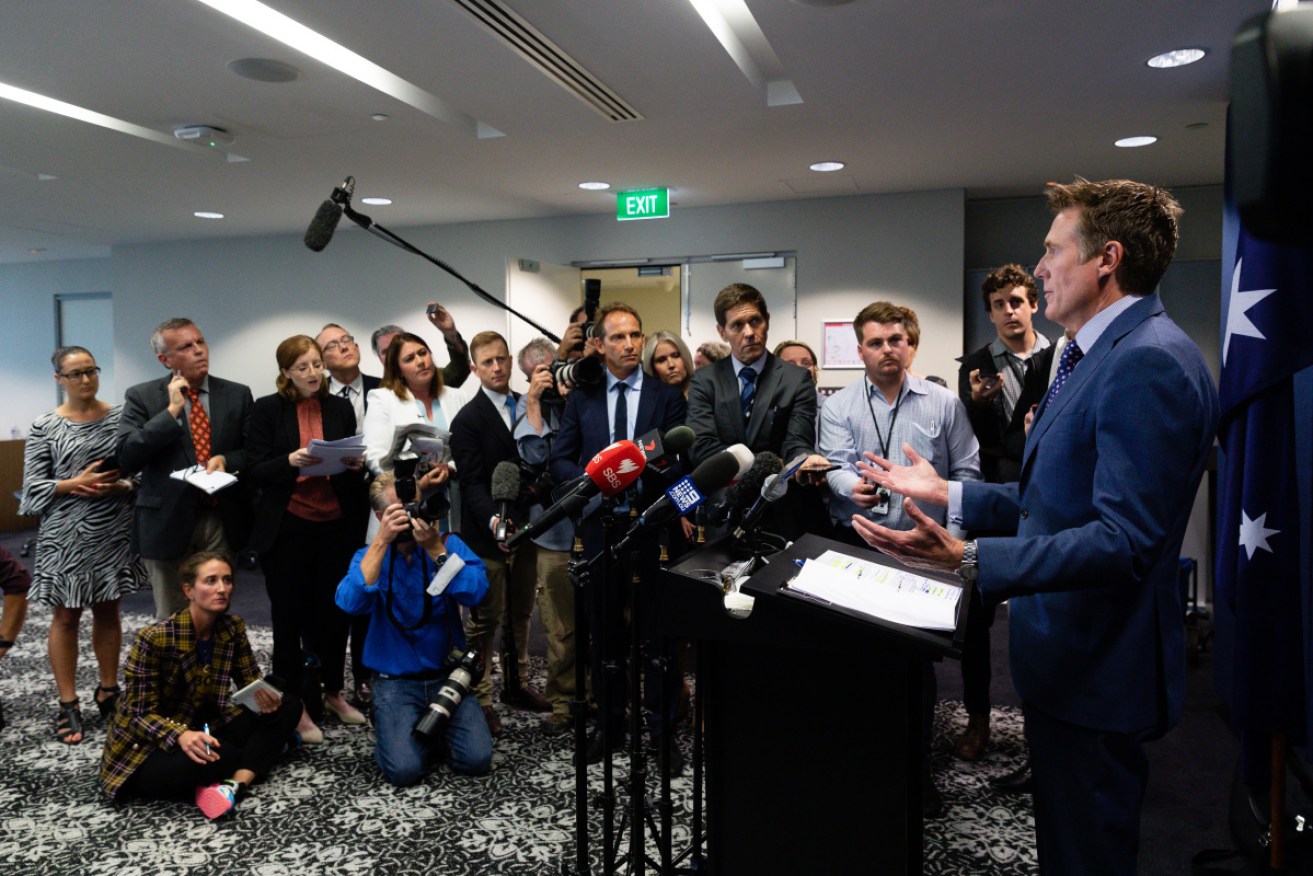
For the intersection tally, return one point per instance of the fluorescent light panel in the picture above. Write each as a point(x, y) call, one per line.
point(292, 33)
point(732, 24)
point(91, 117)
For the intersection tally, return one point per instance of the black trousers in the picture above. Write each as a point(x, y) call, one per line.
point(301, 573)
point(249, 741)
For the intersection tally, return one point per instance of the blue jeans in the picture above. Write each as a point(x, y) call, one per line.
point(404, 758)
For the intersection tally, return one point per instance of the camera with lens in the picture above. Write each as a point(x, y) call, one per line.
point(464, 670)
point(587, 371)
point(430, 509)
point(592, 300)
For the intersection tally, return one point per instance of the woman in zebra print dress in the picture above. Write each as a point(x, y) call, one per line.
point(84, 544)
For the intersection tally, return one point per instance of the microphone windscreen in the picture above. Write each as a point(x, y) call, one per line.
point(616, 466)
point(323, 225)
point(743, 455)
point(715, 471)
point(505, 482)
point(745, 490)
point(678, 440)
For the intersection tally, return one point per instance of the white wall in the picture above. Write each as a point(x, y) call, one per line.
point(27, 333)
point(248, 294)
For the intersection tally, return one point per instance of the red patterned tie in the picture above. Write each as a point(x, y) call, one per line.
point(200, 427)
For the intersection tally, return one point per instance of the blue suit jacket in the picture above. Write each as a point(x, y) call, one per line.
point(584, 428)
point(1108, 478)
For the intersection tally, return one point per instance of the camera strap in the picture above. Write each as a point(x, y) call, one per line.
point(428, 602)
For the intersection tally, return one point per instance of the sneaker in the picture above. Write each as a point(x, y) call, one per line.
point(217, 799)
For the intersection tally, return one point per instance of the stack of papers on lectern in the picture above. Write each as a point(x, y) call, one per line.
point(333, 454)
point(209, 481)
point(881, 591)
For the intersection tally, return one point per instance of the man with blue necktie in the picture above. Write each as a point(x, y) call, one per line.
point(1109, 475)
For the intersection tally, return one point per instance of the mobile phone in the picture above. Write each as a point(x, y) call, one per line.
point(432, 309)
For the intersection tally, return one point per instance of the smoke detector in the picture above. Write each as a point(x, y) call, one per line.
point(204, 135)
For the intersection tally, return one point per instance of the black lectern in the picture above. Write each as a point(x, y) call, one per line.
point(813, 751)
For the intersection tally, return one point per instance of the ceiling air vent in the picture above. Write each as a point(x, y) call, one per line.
point(542, 53)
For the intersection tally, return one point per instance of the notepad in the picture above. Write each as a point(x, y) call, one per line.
point(246, 696)
point(208, 481)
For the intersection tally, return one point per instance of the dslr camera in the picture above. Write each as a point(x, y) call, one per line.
point(431, 509)
point(463, 670)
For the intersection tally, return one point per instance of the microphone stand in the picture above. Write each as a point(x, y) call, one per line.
point(396, 240)
point(579, 581)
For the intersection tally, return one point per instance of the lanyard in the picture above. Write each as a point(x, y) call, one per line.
point(879, 436)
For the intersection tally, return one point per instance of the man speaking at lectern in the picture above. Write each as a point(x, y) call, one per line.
point(1108, 477)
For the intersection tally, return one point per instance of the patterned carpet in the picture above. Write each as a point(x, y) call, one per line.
point(327, 811)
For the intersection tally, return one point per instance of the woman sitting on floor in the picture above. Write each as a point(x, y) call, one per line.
point(177, 734)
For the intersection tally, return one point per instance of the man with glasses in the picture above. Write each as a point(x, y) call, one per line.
point(752, 397)
point(188, 418)
point(342, 361)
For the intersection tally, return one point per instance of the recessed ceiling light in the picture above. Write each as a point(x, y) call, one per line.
point(1132, 142)
point(827, 166)
point(594, 186)
point(36, 250)
point(380, 117)
point(376, 202)
point(1177, 58)
point(205, 214)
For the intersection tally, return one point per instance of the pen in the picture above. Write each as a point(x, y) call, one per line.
point(206, 731)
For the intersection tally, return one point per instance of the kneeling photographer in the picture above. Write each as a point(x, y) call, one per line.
point(411, 581)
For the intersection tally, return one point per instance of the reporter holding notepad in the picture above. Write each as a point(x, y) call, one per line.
point(306, 527)
point(177, 733)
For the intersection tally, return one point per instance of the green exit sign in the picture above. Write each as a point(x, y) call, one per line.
point(642, 204)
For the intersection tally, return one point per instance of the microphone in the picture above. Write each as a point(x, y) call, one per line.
point(505, 491)
point(610, 472)
point(687, 493)
point(745, 490)
point(771, 491)
point(328, 215)
point(662, 450)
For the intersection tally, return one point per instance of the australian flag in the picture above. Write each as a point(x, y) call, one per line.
point(1267, 325)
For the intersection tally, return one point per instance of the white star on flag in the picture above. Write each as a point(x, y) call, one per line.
point(1236, 321)
point(1254, 533)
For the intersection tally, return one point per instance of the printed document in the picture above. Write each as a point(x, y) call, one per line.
point(886, 592)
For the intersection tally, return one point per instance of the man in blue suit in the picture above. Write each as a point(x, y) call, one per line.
point(1108, 477)
point(626, 404)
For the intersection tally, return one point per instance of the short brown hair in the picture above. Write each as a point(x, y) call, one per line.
point(1142, 218)
point(735, 295)
point(882, 312)
point(392, 378)
point(287, 353)
point(483, 339)
point(713, 351)
point(190, 567)
point(614, 307)
point(1007, 278)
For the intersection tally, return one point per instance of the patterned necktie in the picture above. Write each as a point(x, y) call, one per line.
point(621, 412)
point(199, 422)
point(748, 393)
point(1071, 354)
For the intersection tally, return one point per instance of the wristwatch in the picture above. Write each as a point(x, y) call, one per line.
point(970, 568)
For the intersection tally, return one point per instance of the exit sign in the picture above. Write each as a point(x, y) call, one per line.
point(643, 204)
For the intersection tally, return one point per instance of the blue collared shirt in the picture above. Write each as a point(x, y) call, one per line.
point(635, 384)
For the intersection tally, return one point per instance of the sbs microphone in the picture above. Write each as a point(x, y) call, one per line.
point(611, 471)
point(687, 493)
point(328, 215)
point(505, 491)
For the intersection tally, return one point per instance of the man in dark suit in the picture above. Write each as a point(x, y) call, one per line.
point(751, 397)
point(481, 437)
point(188, 418)
point(625, 405)
point(345, 379)
point(1108, 478)
point(998, 384)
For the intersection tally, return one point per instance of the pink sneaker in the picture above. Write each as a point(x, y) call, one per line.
point(216, 800)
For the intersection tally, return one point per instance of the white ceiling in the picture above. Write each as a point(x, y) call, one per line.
point(994, 96)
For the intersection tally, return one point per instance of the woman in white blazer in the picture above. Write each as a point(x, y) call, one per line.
point(411, 392)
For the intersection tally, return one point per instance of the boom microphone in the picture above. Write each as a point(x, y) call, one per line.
point(687, 493)
point(610, 472)
point(328, 215)
point(505, 491)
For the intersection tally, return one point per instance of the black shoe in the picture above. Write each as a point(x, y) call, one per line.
point(1019, 781)
point(932, 802)
point(597, 751)
point(526, 698)
point(557, 724)
point(676, 761)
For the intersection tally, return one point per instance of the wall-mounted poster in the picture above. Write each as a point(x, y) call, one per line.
point(840, 350)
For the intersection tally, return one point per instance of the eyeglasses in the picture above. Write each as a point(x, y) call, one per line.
point(308, 367)
point(80, 375)
point(339, 343)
